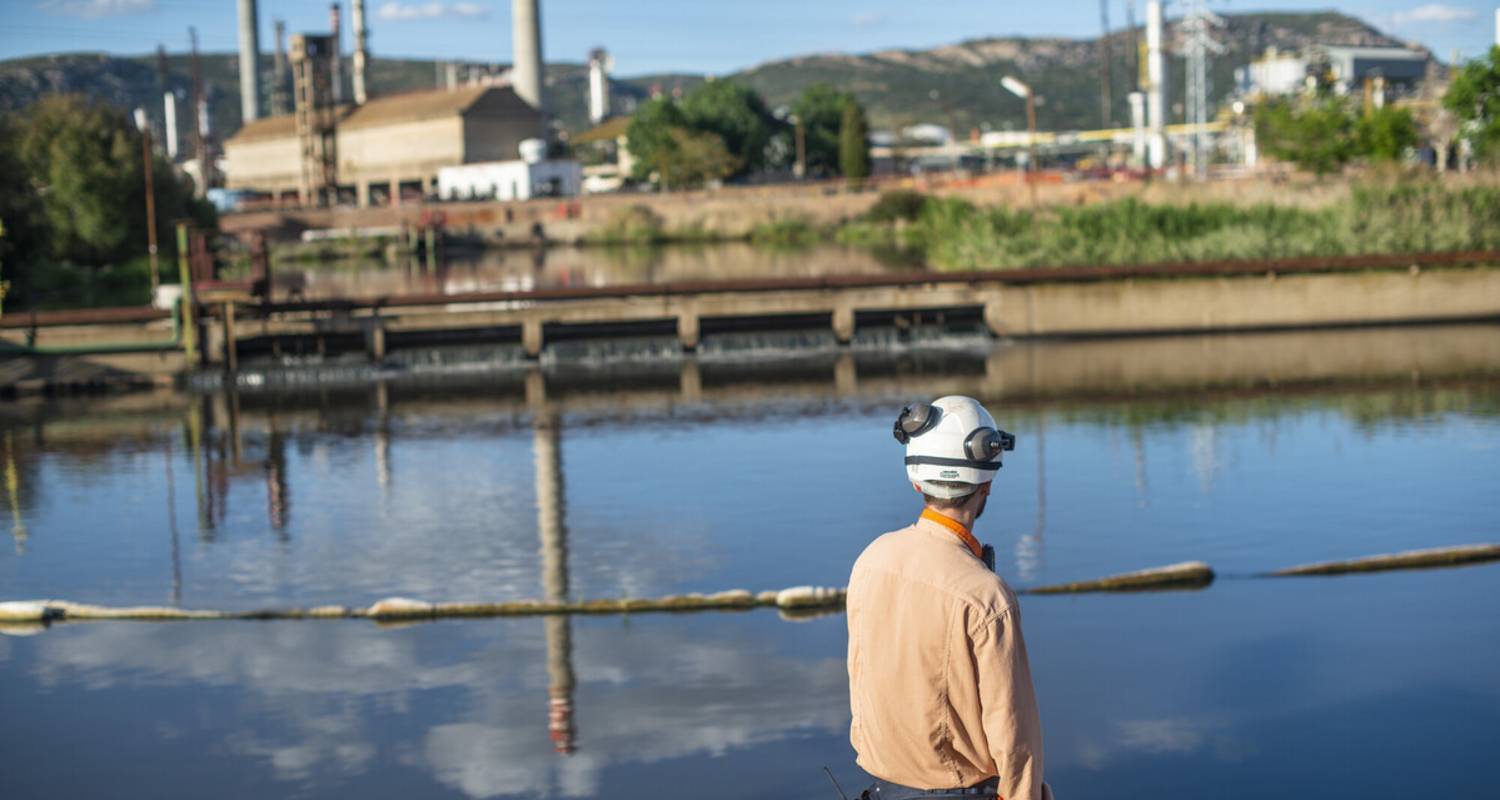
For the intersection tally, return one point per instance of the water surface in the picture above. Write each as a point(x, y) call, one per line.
point(1249, 453)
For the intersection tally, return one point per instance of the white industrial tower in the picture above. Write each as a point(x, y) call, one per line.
point(361, 53)
point(526, 52)
point(600, 63)
point(1156, 76)
point(249, 23)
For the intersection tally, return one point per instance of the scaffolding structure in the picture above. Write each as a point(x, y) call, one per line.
point(1198, 43)
point(317, 118)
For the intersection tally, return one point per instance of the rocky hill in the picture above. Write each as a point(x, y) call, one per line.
point(957, 84)
point(961, 81)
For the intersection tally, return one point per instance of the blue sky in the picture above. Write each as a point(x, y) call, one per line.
point(660, 35)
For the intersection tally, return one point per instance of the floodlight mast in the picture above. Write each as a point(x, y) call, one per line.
point(1023, 91)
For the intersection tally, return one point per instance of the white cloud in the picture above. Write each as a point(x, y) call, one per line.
point(91, 9)
point(869, 19)
point(408, 11)
point(1434, 13)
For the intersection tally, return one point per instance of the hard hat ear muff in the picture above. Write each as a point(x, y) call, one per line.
point(986, 444)
point(915, 420)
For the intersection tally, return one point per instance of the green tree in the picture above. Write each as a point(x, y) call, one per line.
point(737, 115)
point(1474, 95)
point(649, 136)
point(820, 107)
point(696, 157)
point(75, 196)
point(1318, 137)
point(20, 208)
point(1385, 134)
point(854, 152)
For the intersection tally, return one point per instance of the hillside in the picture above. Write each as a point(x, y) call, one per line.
point(896, 86)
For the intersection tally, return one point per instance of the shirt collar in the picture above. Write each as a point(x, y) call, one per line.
point(956, 528)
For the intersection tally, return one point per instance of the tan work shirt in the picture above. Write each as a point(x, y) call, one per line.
point(939, 685)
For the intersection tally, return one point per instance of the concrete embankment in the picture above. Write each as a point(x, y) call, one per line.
point(1018, 304)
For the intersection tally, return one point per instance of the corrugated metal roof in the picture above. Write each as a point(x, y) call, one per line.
point(404, 107)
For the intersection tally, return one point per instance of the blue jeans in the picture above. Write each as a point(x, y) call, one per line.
point(885, 790)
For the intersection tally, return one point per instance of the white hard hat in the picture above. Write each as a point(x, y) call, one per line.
point(953, 439)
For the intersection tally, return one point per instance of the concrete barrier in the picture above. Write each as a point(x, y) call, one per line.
point(1410, 559)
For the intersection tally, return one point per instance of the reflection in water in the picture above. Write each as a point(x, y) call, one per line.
point(383, 438)
point(1142, 483)
point(278, 494)
point(550, 268)
point(1205, 452)
point(343, 708)
point(13, 494)
point(551, 526)
point(172, 521)
point(1030, 547)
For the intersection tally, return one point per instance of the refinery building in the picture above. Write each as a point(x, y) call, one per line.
point(481, 140)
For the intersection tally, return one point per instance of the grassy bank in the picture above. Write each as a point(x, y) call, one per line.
point(1384, 217)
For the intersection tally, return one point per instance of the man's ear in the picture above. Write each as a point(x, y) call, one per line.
point(984, 488)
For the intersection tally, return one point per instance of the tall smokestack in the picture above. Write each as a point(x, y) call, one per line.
point(279, 104)
point(249, 61)
point(169, 122)
point(338, 53)
point(1156, 74)
point(361, 52)
point(599, 65)
point(526, 45)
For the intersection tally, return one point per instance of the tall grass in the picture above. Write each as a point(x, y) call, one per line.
point(1386, 217)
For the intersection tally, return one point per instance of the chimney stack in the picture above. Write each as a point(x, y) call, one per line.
point(361, 52)
point(338, 53)
point(1156, 75)
point(169, 123)
point(526, 52)
point(599, 65)
point(249, 61)
point(279, 104)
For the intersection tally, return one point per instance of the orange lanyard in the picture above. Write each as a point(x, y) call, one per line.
point(958, 530)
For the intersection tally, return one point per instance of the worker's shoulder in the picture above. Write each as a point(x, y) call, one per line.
point(912, 556)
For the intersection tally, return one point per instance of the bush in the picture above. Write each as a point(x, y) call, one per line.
point(901, 204)
point(784, 232)
point(636, 224)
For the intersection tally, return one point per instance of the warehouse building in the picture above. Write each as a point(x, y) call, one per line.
point(391, 146)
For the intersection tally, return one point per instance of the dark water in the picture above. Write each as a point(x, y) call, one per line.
point(1248, 452)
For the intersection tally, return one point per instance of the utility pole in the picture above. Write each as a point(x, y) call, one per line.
point(163, 85)
point(1133, 58)
point(801, 169)
point(1106, 93)
point(144, 124)
point(1020, 89)
point(199, 141)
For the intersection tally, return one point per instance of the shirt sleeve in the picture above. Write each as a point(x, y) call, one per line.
point(1012, 724)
